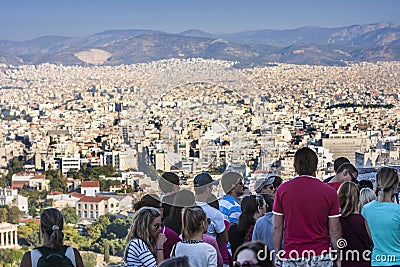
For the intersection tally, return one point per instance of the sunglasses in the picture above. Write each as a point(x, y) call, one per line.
point(240, 183)
point(244, 264)
point(353, 179)
point(208, 220)
point(157, 226)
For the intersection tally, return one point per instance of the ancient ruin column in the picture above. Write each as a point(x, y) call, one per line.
point(2, 239)
point(11, 238)
point(15, 238)
point(7, 244)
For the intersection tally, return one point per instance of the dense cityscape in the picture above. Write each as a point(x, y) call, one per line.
point(96, 138)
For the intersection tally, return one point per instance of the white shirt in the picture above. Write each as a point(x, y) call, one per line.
point(217, 224)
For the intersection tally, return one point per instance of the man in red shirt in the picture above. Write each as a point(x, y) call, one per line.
point(345, 173)
point(310, 211)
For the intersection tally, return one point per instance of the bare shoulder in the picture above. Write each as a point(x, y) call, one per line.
point(26, 260)
point(78, 258)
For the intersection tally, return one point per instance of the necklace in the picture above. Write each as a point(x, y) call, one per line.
point(192, 241)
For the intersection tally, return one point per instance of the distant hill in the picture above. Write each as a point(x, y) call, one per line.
point(305, 45)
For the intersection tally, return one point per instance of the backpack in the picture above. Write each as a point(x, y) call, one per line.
point(50, 258)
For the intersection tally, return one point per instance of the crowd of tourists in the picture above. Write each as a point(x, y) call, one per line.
point(305, 222)
point(340, 221)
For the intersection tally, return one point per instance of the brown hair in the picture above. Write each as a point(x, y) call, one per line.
point(141, 222)
point(348, 193)
point(192, 219)
point(305, 161)
point(385, 179)
point(52, 223)
point(258, 247)
point(149, 200)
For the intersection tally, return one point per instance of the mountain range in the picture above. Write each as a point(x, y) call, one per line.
point(305, 45)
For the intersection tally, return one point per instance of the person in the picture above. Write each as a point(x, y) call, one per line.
point(254, 253)
point(311, 211)
point(145, 241)
point(346, 172)
point(222, 246)
point(246, 191)
point(382, 219)
point(366, 183)
point(51, 229)
point(277, 181)
point(253, 207)
point(263, 229)
point(265, 186)
point(152, 200)
point(336, 164)
point(366, 196)
point(176, 262)
point(169, 184)
point(194, 224)
point(229, 204)
point(183, 198)
point(203, 184)
point(353, 227)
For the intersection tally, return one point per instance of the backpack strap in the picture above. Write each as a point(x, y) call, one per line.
point(35, 255)
point(38, 252)
point(70, 254)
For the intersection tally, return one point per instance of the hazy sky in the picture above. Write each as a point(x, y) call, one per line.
point(27, 19)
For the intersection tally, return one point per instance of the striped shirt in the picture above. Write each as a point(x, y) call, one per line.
point(230, 208)
point(137, 253)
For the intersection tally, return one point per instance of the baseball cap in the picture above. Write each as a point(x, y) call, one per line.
point(203, 179)
point(261, 183)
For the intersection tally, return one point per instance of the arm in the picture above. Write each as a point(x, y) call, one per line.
point(220, 228)
point(223, 237)
point(277, 232)
point(335, 235)
point(26, 260)
point(367, 228)
point(78, 258)
point(160, 248)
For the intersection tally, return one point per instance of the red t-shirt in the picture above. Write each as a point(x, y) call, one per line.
point(335, 185)
point(306, 204)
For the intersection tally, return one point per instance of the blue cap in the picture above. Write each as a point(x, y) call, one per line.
point(203, 179)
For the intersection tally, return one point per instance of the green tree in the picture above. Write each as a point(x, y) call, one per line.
point(10, 257)
point(73, 238)
point(3, 214)
point(117, 246)
point(15, 165)
point(89, 259)
point(70, 215)
point(119, 227)
point(57, 181)
point(29, 234)
point(13, 214)
point(106, 251)
point(94, 231)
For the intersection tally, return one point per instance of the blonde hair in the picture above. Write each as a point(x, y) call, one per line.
point(366, 196)
point(52, 223)
point(385, 179)
point(348, 194)
point(192, 219)
point(141, 222)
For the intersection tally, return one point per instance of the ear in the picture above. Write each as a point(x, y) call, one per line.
point(204, 225)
